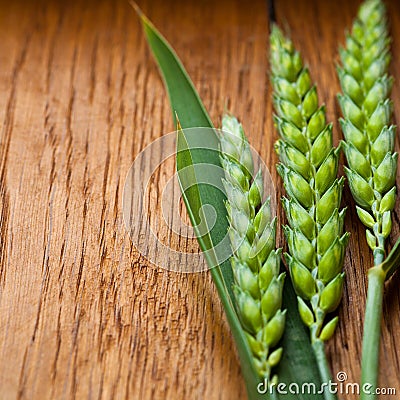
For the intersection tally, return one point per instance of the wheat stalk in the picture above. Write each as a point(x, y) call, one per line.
point(255, 261)
point(369, 148)
point(308, 167)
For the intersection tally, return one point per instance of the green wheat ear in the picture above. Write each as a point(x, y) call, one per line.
point(372, 162)
point(367, 112)
point(308, 167)
point(255, 262)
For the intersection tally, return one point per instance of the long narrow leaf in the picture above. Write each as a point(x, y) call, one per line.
point(392, 261)
point(298, 365)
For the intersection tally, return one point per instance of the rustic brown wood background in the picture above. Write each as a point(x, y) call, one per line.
point(82, 314)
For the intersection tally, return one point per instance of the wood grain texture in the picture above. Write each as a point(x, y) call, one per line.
point(82, 314)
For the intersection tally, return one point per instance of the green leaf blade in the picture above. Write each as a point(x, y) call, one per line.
point(182, 94)
point(298, 363)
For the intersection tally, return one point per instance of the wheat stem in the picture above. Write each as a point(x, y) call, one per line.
point(323, 367)
point(370, 347)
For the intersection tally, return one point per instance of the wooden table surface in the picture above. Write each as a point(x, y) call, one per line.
point(82, 314)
